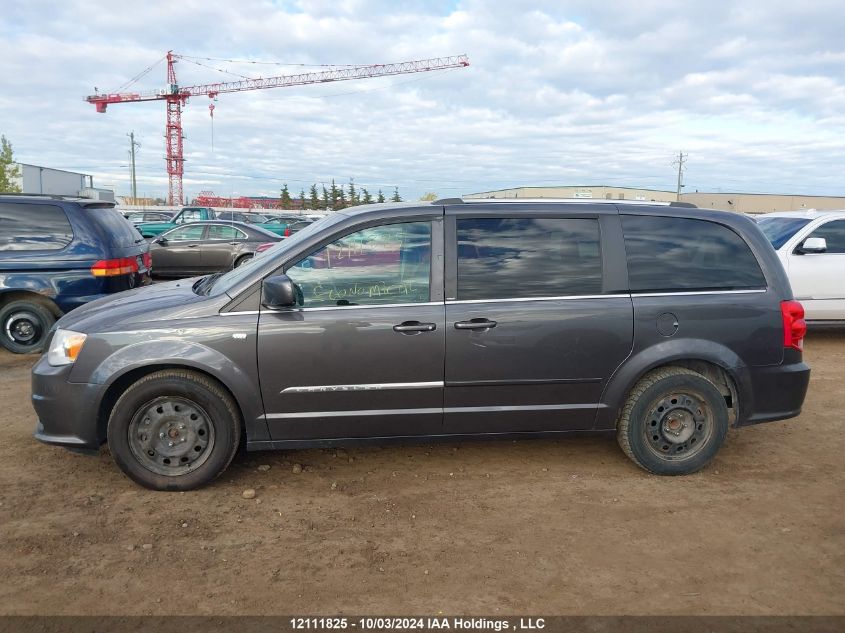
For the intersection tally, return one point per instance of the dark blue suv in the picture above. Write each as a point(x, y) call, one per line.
point(56, 254)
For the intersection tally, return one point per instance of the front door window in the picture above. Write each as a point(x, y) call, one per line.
point(380, 265)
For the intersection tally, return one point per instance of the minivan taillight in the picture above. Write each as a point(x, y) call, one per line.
point(794, 325)
point(287, 231)
point(113, 267)
point(148, 261)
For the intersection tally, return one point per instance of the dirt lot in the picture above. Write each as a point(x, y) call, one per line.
point(566, 527)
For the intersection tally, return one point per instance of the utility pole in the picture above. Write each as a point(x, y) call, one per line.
point(682, 158)
point(132, 145)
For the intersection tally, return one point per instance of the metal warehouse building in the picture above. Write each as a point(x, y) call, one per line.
point(46, 180)
point(740, 202)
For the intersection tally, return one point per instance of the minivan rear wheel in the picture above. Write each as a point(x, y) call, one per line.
point(25, 326)
point(674, 422)
point(174, 430)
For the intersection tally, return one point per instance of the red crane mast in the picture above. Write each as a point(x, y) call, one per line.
point(177, 96)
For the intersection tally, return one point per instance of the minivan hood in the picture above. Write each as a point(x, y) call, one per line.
point(166, 301)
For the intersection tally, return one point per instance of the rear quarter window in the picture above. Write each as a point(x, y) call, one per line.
point(117, 230)
point(33, 227)
point(681, 254)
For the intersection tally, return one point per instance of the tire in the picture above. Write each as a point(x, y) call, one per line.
point(25, 325)
point(674, 422)
point(174, 430)
point(242, 260)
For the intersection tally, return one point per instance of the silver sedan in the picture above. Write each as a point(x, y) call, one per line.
point(202, 247)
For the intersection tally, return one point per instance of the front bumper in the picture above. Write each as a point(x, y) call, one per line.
point(67, 411)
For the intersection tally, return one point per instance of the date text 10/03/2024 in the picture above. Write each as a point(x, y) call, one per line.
point(418, 624)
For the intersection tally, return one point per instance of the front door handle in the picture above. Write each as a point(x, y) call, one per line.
point(411, 327)
point(191, 245)
point(475, 324)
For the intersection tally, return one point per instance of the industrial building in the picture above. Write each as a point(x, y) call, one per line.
point(740, 202)
point(59, 182)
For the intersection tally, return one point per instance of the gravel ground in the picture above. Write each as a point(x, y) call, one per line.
point(554, 527)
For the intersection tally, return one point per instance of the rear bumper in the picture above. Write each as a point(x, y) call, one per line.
point(778, 393)
point(92, 288)
point(67, 411)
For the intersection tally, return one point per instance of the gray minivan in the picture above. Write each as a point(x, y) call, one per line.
point(663, 325)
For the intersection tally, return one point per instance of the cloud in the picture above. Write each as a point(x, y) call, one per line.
point(569, 92)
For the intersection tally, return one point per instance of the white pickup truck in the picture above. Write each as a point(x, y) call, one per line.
point(811, 246)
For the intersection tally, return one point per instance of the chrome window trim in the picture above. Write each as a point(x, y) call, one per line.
point(513, 300)
point(562, 298)
point(377, 386)
point(700, 292)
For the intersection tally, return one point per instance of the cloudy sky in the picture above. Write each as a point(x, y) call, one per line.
point(558, 92)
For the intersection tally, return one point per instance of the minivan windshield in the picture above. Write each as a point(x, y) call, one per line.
point(779, 230)
point(229, 280)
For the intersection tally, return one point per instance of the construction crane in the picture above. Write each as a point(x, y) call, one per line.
point(177, 96)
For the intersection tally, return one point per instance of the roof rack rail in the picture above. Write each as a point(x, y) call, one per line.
point(448, 201)
point(686, 205)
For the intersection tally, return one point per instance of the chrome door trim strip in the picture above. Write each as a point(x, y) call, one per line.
point(376, 386)
point(430, 410)
point(362, 413)
point(699, 292)
point(522, 407)
point(562, 298)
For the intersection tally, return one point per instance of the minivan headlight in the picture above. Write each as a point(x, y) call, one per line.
point(65, 347)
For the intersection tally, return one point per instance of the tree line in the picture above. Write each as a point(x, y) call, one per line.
point(9, 171)
point(334, 197)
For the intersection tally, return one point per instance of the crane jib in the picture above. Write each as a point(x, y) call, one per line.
point(177, 96)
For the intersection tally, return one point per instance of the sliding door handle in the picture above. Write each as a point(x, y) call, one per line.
point(475, 324)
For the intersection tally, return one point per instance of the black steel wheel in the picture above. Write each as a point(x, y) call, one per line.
point(673, 422)
point(25, 326)
point(174, 430)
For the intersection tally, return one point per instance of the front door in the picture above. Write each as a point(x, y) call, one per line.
point(182, 253)
point(816, 278)
point(362, 356)
point(533, 327)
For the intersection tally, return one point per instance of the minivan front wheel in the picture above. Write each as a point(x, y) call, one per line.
point(673, 422)
point(25, 326)
point(174, 430)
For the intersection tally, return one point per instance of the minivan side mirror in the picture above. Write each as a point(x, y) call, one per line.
point(161, 241)
point(813, 245)
point(278, 292)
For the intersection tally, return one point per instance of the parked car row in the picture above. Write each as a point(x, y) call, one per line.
point(203, 247)
point(282, 225)
point(661, 325)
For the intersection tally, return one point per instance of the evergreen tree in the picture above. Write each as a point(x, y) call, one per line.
point(315, 198)
point(302, 199)
point(353, 194)
point(366, 198)
point(326, 201)
point(396, 197)
point(9, 172)
point(334, 196)
point(341, 198)
point(285, 197)
point(380, 196)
